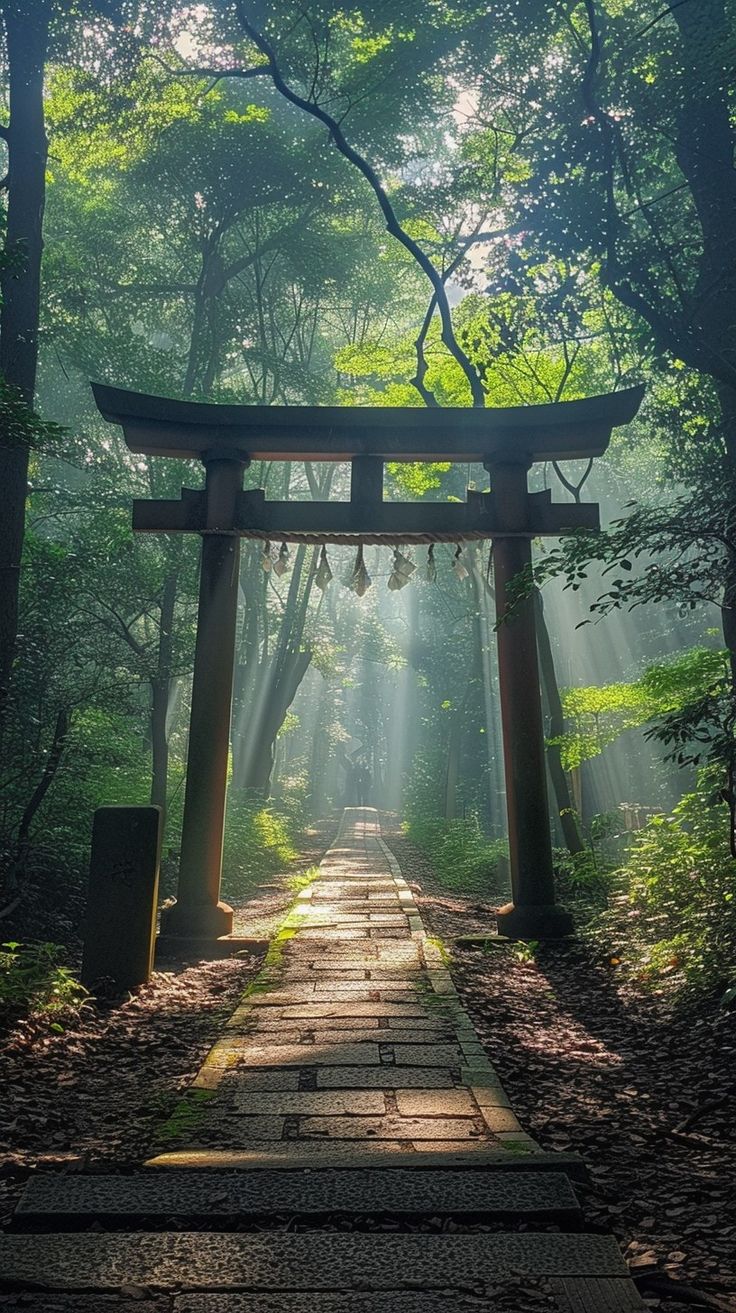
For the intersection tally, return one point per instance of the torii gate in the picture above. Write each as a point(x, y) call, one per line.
point(226, 439)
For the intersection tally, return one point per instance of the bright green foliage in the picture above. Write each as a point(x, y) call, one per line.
point(598, 715)
point(34, 979)
point(302, 881)
point(462, 858)
point(416, 479)
point(258, 841)
point(679, 894)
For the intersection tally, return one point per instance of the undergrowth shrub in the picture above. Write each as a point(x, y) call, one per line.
point(676, 894)
point(34, 980)
point(259, 840)
point(582, 882)
point(462, 857)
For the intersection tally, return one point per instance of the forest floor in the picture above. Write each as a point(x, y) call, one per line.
point(99, 1089)
point(593, 1062)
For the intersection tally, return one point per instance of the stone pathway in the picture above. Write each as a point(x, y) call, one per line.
point(351, 1085)
point(352, 1043)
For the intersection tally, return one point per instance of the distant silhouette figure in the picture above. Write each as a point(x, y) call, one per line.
point(351, 783)
point(362, 785)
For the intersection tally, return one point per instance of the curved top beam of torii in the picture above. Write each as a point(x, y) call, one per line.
point(562, 430)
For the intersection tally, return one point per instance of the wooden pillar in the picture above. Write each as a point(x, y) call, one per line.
point(533, 913)
point(198, 912)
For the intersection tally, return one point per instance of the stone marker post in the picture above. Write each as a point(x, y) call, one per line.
point(120, 925)
point(533, 913)
point(198, 912)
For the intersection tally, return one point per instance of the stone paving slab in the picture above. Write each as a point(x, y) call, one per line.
point(393, 1078)
point(435, 1103)
point(353, 986)
point(300, 1055)
point(54, 1303)
point(315, 1261)
point(314, 1103)
point(550, 1295)
point(256, 1128)
point(246, 1080)
point(382, 1036)
point(390, 1128)
point(320, 1032)
point(329, 935)
point(259, 1194)
point(266, 1023)
point(350, 1007)
point(427, 1055)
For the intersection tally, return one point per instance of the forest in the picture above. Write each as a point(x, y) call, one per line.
point(446, 204)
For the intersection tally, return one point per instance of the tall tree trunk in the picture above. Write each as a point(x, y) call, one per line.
point(53, 760)
point(268, 696)
point(556, 728)
point(727, 398)
point(160, 692)
point(483, 597)
point(26, 33)
point(452, 766)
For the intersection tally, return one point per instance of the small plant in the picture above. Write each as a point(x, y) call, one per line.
point(303, 880)
point(525, 951)
point(34, 980)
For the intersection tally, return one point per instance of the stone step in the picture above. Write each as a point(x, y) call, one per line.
point(315, 1261)
point(526, 1196)
point(550, 1295)
point(284, 1155)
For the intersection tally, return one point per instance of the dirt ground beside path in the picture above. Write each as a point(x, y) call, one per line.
point(644, 1092)
point(99, 1090)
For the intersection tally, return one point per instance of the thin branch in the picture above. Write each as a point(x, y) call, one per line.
point(653, 22)
point(663, 196)
point(392, 223)
point(260, 70)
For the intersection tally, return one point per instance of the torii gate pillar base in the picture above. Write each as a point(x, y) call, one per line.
point(203, 921)
point(195, 948)
point(538, 921)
